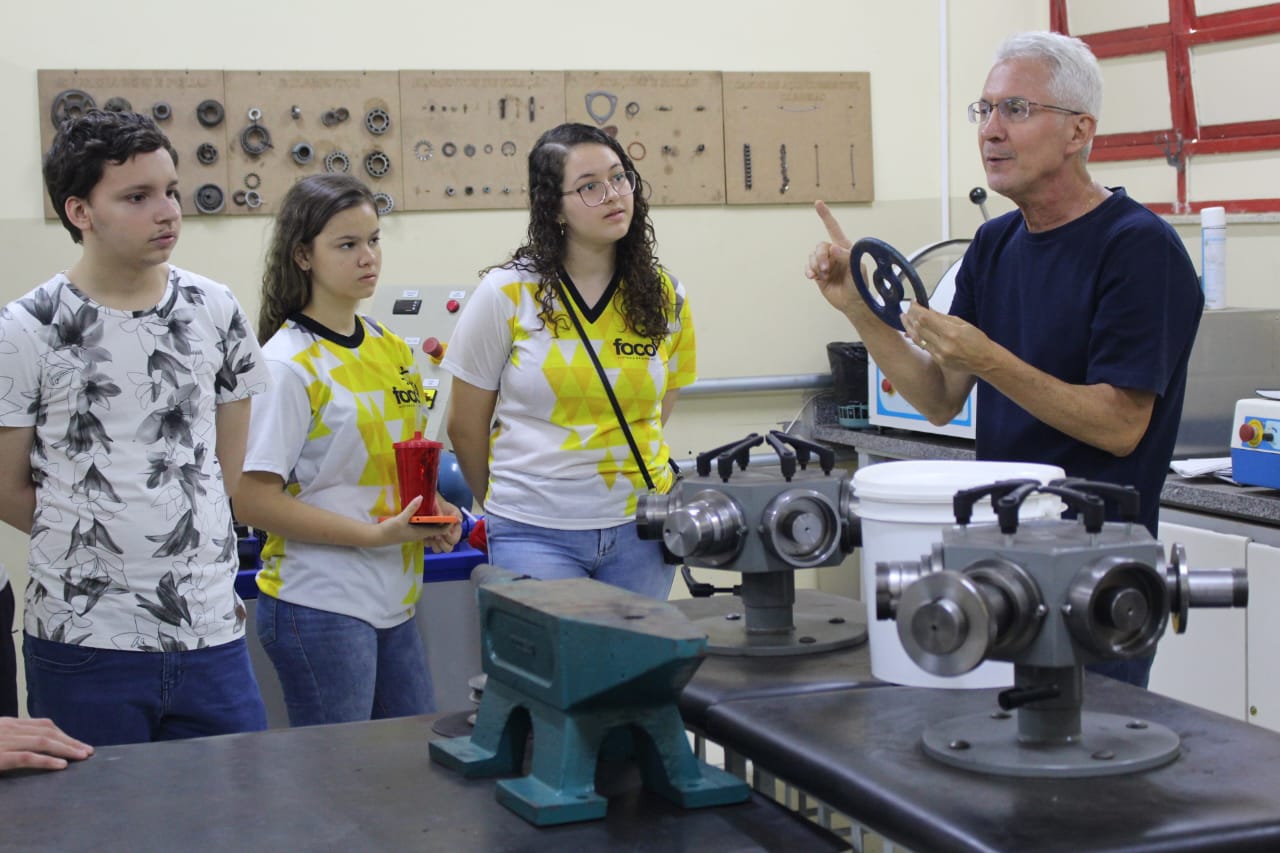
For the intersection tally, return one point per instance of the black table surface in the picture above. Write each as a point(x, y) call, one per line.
point(723, 678)
point(354, 786)
point(859, 750)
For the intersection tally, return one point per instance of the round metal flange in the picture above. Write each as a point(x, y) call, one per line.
point(801, 527)
point(1178, 579)
point(823, 623)
point(161, 111)
point(209, 198)
point(1109, 745)
point(944, 623)
point(597, 116)
point(890, 269)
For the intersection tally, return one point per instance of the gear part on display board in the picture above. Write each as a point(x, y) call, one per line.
point(209, 198)
point(448, 149)
point(117, 104)
point(377, 164)
point(70, 103)
point(600, 117)
point(303, 153)
point(255, 140)
point(383, 203)
point(210, 113)
point(378, 121)
point(207, 153)
point(890, 270)
point(252, 181)
point(337, 161)
point(253, 199)
point(239, 197)
point(423, 149)
point(161, 111)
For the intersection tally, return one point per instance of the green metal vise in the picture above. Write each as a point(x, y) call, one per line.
point(580, 663)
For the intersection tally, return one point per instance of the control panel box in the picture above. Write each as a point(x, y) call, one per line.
point(1255, 444)
point(425, 316)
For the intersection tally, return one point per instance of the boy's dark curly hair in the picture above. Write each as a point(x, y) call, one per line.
point(84, 145)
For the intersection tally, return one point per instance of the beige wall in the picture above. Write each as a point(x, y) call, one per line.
point(755, 312)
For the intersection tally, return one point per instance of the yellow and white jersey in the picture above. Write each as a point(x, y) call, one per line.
point(558, 457)
point(327, 428)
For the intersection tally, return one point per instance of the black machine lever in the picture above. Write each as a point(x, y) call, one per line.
point(726, 454)
point(1016, 697)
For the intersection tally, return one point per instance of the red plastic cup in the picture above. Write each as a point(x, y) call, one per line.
point(417, 467)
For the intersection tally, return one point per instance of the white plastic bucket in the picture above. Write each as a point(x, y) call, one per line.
point(904, 507)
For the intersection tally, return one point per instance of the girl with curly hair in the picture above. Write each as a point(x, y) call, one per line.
point(530, 418)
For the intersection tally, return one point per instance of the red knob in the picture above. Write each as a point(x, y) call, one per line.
point(1248, 433)
point(452, 306)
point(433, 347)
point(886, 386)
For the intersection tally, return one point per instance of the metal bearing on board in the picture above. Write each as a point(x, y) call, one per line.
point(508, 149)
point(70, 103)
point(377, 164)
point(422, 149)
point(207, 153)
point(337, 161)
point(253, 199)
point(161, 111)
point(448, 149)
point(383, 203)
point(252, 181)
point(488, 149)
point(117, 104)
point(378, 121)
point(210, 113)
point(328, 118)
point(255, 139)
point(636, 150)
point(342, 113)
point(303, 153)
point(209, 198)
point(238, 197)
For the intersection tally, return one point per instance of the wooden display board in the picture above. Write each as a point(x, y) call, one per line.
point(460, 140)
point(467, 135)
point(796, 138)
point(66, 92)
point(333, 115)
point(671, 124)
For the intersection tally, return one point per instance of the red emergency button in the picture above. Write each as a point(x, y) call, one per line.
point(1252, 434)
point(886, 386)
point(434, 349)
point(452, 306)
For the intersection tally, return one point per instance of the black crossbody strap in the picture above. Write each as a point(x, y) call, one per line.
point(608, 388)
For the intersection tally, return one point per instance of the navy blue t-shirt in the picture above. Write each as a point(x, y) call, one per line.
point(1110, 298)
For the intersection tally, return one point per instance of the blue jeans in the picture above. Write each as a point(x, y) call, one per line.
point(1135, 671)
point(613, 555)
point(108, 696)
point(339, 669)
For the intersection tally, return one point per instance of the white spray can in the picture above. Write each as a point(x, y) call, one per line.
point(1213, 256)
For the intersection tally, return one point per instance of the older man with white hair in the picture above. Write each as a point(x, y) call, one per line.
point(1075, 313)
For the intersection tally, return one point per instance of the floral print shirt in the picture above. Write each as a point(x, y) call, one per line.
point(132, 541)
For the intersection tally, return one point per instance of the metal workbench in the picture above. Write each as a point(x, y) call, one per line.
point(859, 751)
point(353, 786)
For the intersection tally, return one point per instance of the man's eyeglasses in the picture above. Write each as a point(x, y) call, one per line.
point(594, 193)
point(1012, 110)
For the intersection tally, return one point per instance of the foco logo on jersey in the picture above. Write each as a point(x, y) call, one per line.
point(407, 395)
point(638, 350)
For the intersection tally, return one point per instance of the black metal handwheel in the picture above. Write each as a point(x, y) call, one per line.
point(890, 269)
